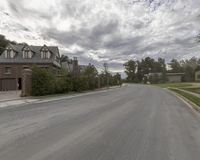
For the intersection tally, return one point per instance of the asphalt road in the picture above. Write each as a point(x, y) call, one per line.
point(130, 123)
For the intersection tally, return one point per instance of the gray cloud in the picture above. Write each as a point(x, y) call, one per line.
point(89, 38)
point(113, 31)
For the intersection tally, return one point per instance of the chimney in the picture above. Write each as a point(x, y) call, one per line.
point(75, 66)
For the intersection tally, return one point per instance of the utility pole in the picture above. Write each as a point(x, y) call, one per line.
point(106, 72)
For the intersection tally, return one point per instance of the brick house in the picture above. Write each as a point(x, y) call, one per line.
point(16, 58)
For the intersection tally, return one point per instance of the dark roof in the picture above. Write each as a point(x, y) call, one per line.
point(36, 59)
point(175, 74)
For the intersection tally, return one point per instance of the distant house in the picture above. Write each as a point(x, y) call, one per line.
point(16, 58)
point(71, 66)
point(197, 76)
point(154, 74)
point(174, 77)
point(171, 77)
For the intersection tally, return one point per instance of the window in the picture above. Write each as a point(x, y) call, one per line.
point(45, 54)
point(7, 70)
point(9, 53)
point(27, 53)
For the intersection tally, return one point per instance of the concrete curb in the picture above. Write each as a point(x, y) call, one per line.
point(189, 103)
point(13, 99)
point(17, 102)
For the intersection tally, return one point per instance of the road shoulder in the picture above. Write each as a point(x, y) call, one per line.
point(195, 108)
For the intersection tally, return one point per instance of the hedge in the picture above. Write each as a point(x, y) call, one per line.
point(44, 82)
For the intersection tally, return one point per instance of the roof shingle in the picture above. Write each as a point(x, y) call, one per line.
point(36, 59)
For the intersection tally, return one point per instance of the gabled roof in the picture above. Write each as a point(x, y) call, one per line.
point(18, 48)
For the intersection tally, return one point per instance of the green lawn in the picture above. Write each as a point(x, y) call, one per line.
point(189, 96)
point(195, 89)
point(174, 85)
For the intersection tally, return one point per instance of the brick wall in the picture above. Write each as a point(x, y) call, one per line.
point(12, 80)
point(16, 69)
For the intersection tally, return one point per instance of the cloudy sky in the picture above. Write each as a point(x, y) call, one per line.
point(113, 31)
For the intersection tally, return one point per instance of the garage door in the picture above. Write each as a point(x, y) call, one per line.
point(8, 84)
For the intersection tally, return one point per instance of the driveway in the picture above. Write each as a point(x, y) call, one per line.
point(135, 122)
point(9, 95)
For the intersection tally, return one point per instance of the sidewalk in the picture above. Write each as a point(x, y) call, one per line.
point(10, 98)
point(15, 99)
point(9, 95)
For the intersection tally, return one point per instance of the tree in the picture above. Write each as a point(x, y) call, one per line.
point(91, 73)
point(175, 66)
point(130, 70)
point(103, 79)
point(117, 79)
point(189, 68)
point(138, 71)
point(4, 42)
point(162, 69)
point(64, 58)
point(139, 75)
point(189, 74)
point(147, 65)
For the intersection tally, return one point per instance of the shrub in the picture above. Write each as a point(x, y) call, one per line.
point(80, 84)
point(63, 84)
point(43, 82)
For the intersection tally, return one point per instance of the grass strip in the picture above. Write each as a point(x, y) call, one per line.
point(174, 85)
point(192, 98)
point(194, 90)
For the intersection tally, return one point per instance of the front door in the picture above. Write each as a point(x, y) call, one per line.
point(19, 83)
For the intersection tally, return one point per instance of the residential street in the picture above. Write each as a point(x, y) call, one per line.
point(135, 122)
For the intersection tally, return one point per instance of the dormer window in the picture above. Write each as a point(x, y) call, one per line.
point(9, 53)
point(45, 54)
point(27, 53)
